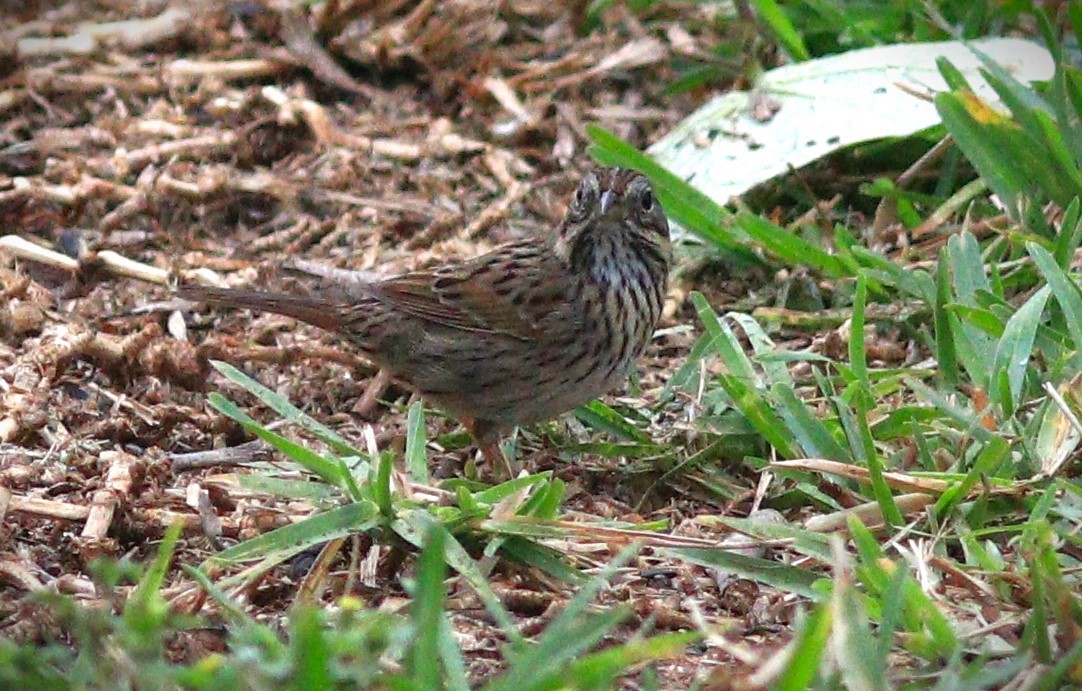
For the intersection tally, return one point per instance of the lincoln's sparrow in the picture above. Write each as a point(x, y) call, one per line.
point(518, 335)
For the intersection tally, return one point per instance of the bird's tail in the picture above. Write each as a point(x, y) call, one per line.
point(320, 312)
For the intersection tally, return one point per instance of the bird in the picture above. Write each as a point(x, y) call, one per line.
point(516, 336)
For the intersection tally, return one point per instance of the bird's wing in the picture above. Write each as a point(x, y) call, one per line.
point(509, 291)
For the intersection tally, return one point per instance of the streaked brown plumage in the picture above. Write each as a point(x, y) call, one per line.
point(518, 335)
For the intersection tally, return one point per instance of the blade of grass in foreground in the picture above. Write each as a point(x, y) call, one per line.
point(321, 466)
point(312, 656)
point(741, 384)
point(1067, 241)
point(788, 578)
point(759, 413)
point(900, 599)
point(792, 249)
point(808, 430)
point(723, 340)
point(148, 591)
point(946, 353)
point(805, 653)
point(570, 635)
point(1014, 350)
point(995, 452)
point(863, 449)
point(858, 357)
point(281, 405)
point(416, 459)
point(597, 415)
point(310, 490)
point(600, 669)
point(852, 642)
point(548, 560)
point(282, 543)
point(414, 525)
point(771, 14)
point(1063, 287)
point(426, 613)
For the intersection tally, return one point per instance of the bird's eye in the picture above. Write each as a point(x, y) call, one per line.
point(646, 201)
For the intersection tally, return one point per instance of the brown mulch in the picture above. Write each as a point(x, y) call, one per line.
point(213, 141)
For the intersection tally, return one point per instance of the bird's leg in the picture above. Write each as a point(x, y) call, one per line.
point(496, 460)
point(366, 404)
point(488, 440)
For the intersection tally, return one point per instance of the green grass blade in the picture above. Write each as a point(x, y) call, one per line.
point(979, 132)
point(765, 349)
point(1067, 241)
point(858, 359)
point(498, 493)
point(1014, 350)
point(965, 418)
point(686, 378)
point(1063, 287)
point(597, 415)
point(570, 635)
point(536, 555)
point(416, 458)
point(946, 354)
point(1064, 673)
point(321, 466)
point(282, 543)
point(426, 613)
point(863, 451)
point(545, 666)
point(601, 669)
point(311, 656)
point(149, 588)
point(759, 413)
point(381, 485)
point(917, 284)
point(805, 654)
point(973, 348)
point(281, 405)
point(792, 249)
point(995, 451)
point(545, 503)
point(724, 341)
point(852, 642)
point(771, 14)
point(315, 492)
point(806, 428)
point(454, 664)
point(412, 528)
point(787, 578)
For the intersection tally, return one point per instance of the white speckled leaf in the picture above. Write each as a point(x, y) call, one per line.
point(802, 112)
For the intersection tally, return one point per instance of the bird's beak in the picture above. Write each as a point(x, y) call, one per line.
point(608, 200)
